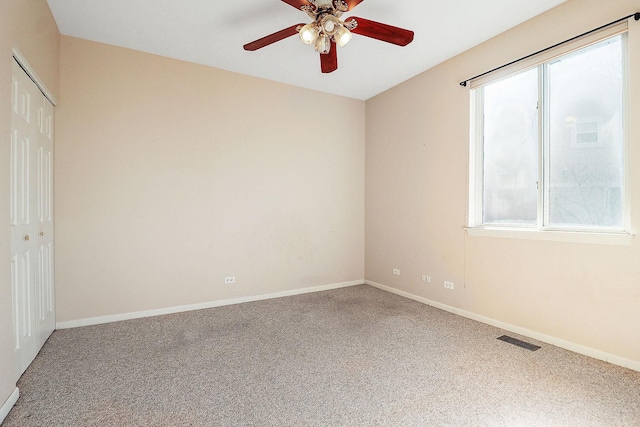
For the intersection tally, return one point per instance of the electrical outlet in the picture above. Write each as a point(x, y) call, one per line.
point(448, 285)
point(229, 280)
point(426, 279)
point(396, 271)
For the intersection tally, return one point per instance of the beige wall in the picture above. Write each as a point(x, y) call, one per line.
point(171, 176)
point(28, 26)
point(416, 190)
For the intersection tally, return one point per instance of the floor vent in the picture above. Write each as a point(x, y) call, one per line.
point(519, 343)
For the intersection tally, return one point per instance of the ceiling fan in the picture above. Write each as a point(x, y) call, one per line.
point(327, 30)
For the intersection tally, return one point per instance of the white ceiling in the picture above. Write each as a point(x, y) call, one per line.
point(212, 32)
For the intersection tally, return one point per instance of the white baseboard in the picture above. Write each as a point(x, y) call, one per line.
point(200, 306)
point(567, 345)
point(8, 404)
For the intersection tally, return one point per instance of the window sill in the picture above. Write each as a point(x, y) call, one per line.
point(621, 239)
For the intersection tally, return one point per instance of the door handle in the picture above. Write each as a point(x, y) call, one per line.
point(26, 237)
point(42, 234)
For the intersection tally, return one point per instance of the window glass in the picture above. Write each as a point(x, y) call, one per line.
point(511, 150)
point(586, 143)
point(550, 144)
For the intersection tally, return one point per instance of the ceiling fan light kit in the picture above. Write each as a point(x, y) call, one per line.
point(327, 30)
point(342, 36)
point(309, 33)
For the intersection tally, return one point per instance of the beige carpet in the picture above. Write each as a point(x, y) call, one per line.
point(353, 356)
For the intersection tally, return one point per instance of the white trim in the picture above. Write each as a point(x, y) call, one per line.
point(22, 60)
point(211, 304)
point(8, 404)
point(475, 166)
point(558, 342)
point(627, 127)
point(621, 239)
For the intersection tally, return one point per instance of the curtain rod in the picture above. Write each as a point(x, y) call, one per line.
point(636, 16)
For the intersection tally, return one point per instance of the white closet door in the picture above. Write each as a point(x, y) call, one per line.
point(43, 239)
point(31, 217)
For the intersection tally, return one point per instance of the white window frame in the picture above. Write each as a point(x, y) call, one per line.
point(475, 226)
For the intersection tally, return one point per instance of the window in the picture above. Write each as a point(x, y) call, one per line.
point(548, 143)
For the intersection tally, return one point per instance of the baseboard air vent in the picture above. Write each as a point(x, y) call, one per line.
point(519, 343)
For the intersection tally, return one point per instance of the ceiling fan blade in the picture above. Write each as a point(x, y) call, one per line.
point(353, 3)
point(384, 32)
point(298, 3)
point(329, 61)
point(272, 38)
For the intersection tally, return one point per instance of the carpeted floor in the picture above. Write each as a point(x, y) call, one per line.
point(353, 356)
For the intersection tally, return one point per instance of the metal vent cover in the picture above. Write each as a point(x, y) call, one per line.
point(519, 343)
